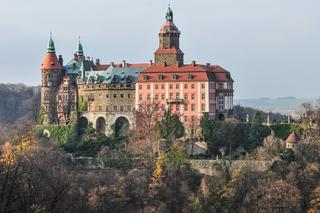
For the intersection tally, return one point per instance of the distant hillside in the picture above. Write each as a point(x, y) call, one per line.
point(285, 105)
point(18, 102)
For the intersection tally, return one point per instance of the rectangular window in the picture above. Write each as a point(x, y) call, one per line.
point(186, 96)
point(107, 95)
point(192, 96)
point(203, 107)
point(186, 86)
point(156, 86)
point(203, 96)
point(192, 107)
point(177, 86)
point(148, 97)
point(121, 108)
point(220, 102)
point(100, 108)
point(178, 107)
point(162, 86)
point(148, 86)
point(171, 86)
point(121, 95)
point(156, 97)
point(140, 97)
point(186, 107)
point(163, 96)
point(171, 96)
point(140, 86)
point(114, 95)
point(128, 108)
point(203, 86)
point(129, 95)
point(163, 107)
point(177, 95)
point(115, 108)
point(192, 86)
point(107, 108)
point(171, 107)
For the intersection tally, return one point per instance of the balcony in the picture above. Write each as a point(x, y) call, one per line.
point(174, 101)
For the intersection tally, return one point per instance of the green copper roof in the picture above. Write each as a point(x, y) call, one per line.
point(51, 48)
point(169, 14)
point(80, 48)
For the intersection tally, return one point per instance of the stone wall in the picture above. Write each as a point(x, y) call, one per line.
point(212, 167)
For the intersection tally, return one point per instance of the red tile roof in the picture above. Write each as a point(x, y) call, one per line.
point(199, 72)
point(293, 138)
point(51, 61)
point(168, 26)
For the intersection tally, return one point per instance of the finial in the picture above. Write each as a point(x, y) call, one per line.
point(169, 14)
point(80, 48)
point(51, 48)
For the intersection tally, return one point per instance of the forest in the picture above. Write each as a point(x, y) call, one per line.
point(37, 173)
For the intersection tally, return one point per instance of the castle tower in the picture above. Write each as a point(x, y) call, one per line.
point(51, 70)
point(169, 51)
point(79, 52)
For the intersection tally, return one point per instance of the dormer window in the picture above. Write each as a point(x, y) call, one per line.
point(145, 77)
point(190, 76)
point(160, 77)
point(175, 77)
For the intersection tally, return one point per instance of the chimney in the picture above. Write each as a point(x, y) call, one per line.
point(124, 63)
point(193, 63)
point(164, 63)
point(150, 63)
point(112, 64)
point(97, 61)
point(61, 60)
point(208, 64)
point(88, 58)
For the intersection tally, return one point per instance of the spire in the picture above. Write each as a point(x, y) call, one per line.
point(169, 14)
point(51, 48)
point(80, 48)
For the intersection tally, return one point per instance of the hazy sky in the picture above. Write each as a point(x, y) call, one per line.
point(271, 47)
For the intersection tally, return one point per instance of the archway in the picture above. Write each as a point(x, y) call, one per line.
point(121, 127)
point(83, 124)
point(101, 124)
point(221, 117)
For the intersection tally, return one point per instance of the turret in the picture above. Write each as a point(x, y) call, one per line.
point(51, 69)
point(79, 52)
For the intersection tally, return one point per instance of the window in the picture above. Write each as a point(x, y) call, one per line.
point(186, 107)
point(162, 86)
point(192, 96)
point(148, 86)
point(121, 95)
point(220, 102)
point(192, 86)
point(163, 107)
point(140, 97)
point(203, 96)
point(115, 108)
point(107, 108)
point(156, 86)
point(107, 95)
point(128, 108)
point(174, 77)
point(114, 95)
point(177, 95)
point(129, 95)
point(171, 96)
point(171, 86)
point(177, 86)
point(140, 86)
point(148, 97)
point(186, 86)
point(186, 96)
point(100, 108)
point(156, 97)
point(192, 107)
point(160, 77)
point(121, 108)
point(190, 76)
point(162, 96)
point(203, 86)
point(203, 107)
point(145, 77)
point(171, 107)
point(178, 107)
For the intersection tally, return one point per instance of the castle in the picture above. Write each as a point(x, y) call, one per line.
point(113, 94)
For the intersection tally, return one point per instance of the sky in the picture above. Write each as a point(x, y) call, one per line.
point(271, 47)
